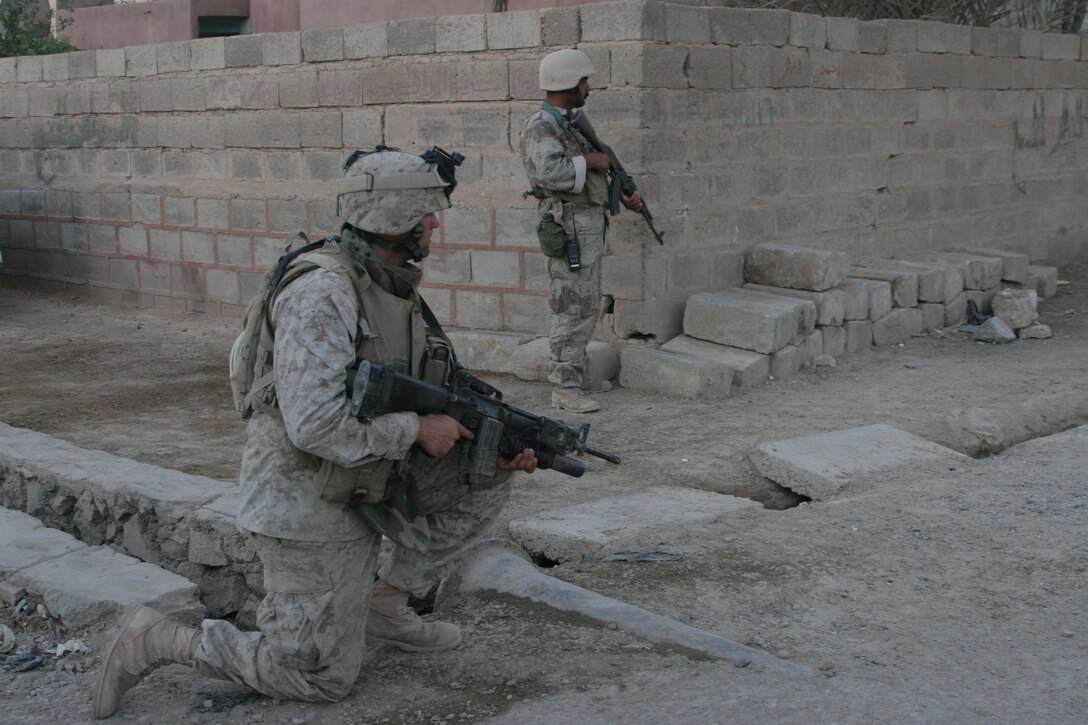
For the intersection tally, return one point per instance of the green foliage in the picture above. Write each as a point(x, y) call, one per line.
point(24, 30)
point(1066, 16)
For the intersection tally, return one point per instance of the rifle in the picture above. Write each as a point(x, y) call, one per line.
point(500, 429)
point(620, 178)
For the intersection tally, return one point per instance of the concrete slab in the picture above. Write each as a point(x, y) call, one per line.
point(857, 300)
point(937, 281)
point(749, 368)
point(86, 586)
point(782, 265)
point(617, 524)
point(675, 374)
point(879, 293)
point(830, 304)
point(485, 350)
point(978, 272)
point(898, 325)
point(750, 320)
point(24, 542)
point(822, 465)
point(1044, 280)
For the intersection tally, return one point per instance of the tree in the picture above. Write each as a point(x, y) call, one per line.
point(24, 30)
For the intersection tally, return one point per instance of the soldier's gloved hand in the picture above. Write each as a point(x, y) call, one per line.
point(438, 433)
point(524, 461)
point(596, 161)
point(632, 201)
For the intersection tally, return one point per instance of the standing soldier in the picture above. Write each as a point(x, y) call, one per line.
point(570, 179)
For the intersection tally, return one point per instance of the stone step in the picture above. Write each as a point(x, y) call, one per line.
point(822, 465)
point(486, 350)
point(877, 292)
point(937, 282)
point(86, 586)
point(631, 523)
point(670, 373)
point(830, 304)
point(1044, 280)
point(749, 368)
point(782, 265)
point(898, 325)
point(1014, 265)
point(530, 361)
point(749, 320)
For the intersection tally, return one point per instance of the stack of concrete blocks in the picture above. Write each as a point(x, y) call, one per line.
point(802, 306)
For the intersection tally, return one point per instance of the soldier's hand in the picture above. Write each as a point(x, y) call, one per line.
point(596, 161)
point(524, 461)
point(438, 433)
point(632, 201)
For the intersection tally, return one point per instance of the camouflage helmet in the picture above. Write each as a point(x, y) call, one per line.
point(388, 191)
point(564, 69)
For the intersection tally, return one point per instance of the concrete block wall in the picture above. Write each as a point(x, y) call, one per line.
point(168, 175)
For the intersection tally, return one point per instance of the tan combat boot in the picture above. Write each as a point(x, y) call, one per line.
point(391, 622)
point(147, 640)
point(573, 399)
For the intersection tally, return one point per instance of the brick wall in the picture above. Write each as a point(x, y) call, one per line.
point(168, 175)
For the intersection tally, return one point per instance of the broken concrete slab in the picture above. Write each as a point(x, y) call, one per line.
point(749, 368)
point(87, 586)
point(1037, 331)
point(1016, 308)
point(994, 330)
point(750, 320)
point(783, 265)
point(822, 465)
point(830, 304)
point(618, 524)
point(675, 374)
point(904, 283)
point(1014, 265)
point(530, 361)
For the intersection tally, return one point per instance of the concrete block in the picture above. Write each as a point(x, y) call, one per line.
point(413, 36)
point(55, 67)
point(937, 281)
point(324, 44)
point(560, 26)
point(208, 53)
point(932, 315)
point(484, 350)
point(243, 51)
point(749, 320)
point(770, 27)
point(872, 37)
point(366, 41)
point(807, 31)
point(944, 38)
point(687, 24)
point(822, 465)
point(610, 21)
point(830, 304)
point(879, 295)
point(109, 63)
point(530, 360)
point(730, 26)
point(955, 310)
point(1017, 308)
point(1043, 280)
point(1031, 44)
point(173, 57)
point(749, 368)
point(855, 300)
point(513, 30)
point(674, 374)
point(834, 340)
point(983, 299)
point(904, 283)
point(1014, 265)
point(785, 363)
point(898, 325)
point(1061, 46)
point(843, 34)
point(622, 524)
point(141, 60)
point(812, 347)
point(281, 48)
point(781, 265)
point(859, 335)
point(979, 273)
point(7, 70)
point(460, 33)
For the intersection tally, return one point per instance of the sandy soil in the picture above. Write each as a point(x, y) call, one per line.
point(919, 598)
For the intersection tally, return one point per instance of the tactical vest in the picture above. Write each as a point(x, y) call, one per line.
point(595, 190)
point(391, 330)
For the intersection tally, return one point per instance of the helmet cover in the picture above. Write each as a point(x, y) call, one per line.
point(564, 69)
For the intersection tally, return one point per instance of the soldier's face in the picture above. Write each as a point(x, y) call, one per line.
point(430, 223)
point(581, 93)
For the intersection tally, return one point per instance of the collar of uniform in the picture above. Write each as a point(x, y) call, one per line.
point(399, 281)
point(558, 114)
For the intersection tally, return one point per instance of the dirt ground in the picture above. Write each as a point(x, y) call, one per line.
point(920, 598)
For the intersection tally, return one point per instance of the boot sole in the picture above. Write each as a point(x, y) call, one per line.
point(374, 641)
point(100, 682)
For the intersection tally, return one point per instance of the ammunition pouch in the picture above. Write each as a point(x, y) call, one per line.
point(551, 235)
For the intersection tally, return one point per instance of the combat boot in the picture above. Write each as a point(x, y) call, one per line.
point(573, 399)
point(146, 641)
point(390, 621)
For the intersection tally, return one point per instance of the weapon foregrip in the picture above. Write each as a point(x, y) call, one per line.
point(559, 463)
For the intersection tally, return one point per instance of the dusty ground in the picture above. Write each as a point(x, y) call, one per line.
point(932, 596)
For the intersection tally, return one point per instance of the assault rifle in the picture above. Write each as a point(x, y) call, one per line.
point(620, 178)
point(500, 429)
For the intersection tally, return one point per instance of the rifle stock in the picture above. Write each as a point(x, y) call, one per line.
point(620, 178)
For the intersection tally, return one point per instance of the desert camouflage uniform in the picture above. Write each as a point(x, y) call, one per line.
point(320, 557)
point(554, 159)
